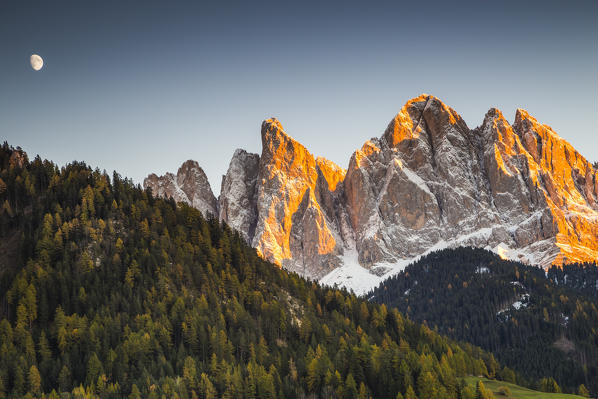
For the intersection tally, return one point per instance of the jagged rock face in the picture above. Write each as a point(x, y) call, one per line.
point(190, 185)
point(292, 228)
point(237, 202)
point(420, 181)
point(428, 182)
point(569, 186)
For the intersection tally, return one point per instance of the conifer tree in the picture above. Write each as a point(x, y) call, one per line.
point(482, 392)
point(583, 391)
point(35, 380)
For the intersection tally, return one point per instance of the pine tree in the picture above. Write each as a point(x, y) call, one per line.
point(350, 389)
point(427, 385)
point(2, 388)
point(468, 392)
point(482, 392)
point(135, 394)
point(35, 380)
point(190, 373)
point(363, 392)
point(583, 391)
point(207, 388)
point(548, 384)
point(94, 369)
point(64, 379)
point(410, 393)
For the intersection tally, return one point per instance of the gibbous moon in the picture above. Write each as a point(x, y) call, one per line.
point(37, 62)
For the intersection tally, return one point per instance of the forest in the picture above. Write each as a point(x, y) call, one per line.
point(108, 292)
point(583, 278)
point(544, 325)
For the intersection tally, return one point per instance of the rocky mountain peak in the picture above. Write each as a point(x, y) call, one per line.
point(271, 124)
point(498, 133)
point(493, 116)
point(281, 152)
point(291, 225)
point(237, 204)
point(406, 124)
point(190, 185)
point(572, 178)
point(422, 131)
point(331, 172)
point(493, 113)
point(429, 182)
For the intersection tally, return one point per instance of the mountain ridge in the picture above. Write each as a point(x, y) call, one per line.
point(427, 182)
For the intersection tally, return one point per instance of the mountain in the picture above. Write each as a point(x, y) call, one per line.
point(114, 293)
point(537, 322)
point(190, 185)
point(427, 183)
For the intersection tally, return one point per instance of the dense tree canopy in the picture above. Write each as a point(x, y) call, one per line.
point(582, 278)
point(542, 324)
point(109, 292)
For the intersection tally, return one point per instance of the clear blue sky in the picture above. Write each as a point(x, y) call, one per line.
point(142, 86)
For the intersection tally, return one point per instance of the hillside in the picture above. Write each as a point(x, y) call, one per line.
point(115, 293)
point(538, 325)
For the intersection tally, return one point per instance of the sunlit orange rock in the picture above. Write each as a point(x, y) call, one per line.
point(431, 182)
point(427, 183)
point(292, 228)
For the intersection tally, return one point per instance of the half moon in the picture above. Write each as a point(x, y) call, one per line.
point(37, 62)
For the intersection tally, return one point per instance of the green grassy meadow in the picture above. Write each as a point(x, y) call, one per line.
point(517, 392)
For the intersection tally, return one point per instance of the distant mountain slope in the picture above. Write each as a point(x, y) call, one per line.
point(117, 294)
point(536, 324)
point(427, 183)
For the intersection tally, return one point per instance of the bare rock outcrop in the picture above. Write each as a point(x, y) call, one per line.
point(427, 183)
point(190, 185)
point(431, 182)
point(237, 202)
point(292, 228)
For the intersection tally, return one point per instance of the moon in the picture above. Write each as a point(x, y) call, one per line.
point(37, 62)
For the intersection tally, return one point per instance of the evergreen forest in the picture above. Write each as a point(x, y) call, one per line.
point(542, 324)
point(109, 292)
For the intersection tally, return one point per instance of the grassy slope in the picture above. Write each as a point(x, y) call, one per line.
point(517, 391)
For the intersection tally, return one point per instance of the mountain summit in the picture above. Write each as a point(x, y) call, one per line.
point(427, 183)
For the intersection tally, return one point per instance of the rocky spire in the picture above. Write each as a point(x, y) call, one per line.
point(292, 229)
point(238, 195)
point(190, 185)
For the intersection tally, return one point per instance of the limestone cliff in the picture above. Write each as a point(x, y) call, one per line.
point(427, 183)
point(190, 185)
point(293, 230)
